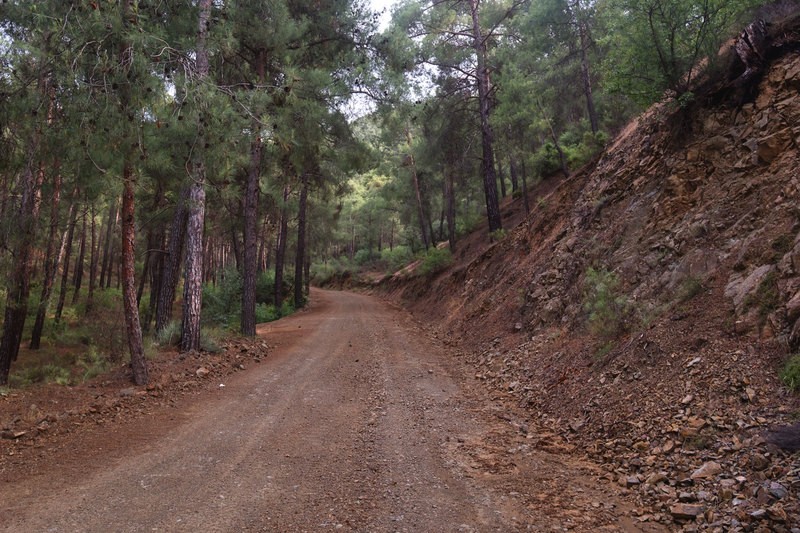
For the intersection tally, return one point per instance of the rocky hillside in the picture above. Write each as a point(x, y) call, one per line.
point(644, 311)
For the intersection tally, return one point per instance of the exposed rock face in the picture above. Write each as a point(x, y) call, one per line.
point(702, 232)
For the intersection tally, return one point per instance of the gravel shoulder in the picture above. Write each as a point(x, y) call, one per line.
point(357, 421)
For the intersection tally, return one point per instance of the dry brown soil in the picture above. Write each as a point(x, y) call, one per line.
point(357, 421)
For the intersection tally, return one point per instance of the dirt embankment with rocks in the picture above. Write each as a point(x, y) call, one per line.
point(690, 223)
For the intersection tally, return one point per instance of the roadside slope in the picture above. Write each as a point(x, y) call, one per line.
point(686, 234)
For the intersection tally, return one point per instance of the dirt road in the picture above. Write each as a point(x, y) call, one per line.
point(358, 421)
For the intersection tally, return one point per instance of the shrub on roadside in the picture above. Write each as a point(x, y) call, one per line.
point(608, 310)
point(435, 260)
point(396, 258)
point(790, 375)
point(49, 373)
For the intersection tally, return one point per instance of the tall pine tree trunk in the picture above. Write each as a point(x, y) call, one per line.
point(501, 178)
point(172, 262)
point(525, 189)
point(300, 256)
point(280, 250)
point(250, 201)
point(62, 295)
point(50, 263)
point(417, 191)
point(128, 233)
point(193, 278)
point(450, 199)
point(484, 108)
point(128, 275)
point(156, 269)
point(148, 257)
point(512, 170)
point(93, 260)
point(80, 260)
point(250, 259)
point(105, 268)
point(577, 18)
point(24, 238)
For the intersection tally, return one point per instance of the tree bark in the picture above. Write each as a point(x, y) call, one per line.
point(62, 294)
point(574, 12)
point(105, 268)
point(512, 170)
point(450, 199)
point(525, 189)
point(24, 238)
point(128, 275)
point(50, 263)
point(501, 178)
point(280, 251)
point(128, 258)
point(417, 191)
point(300, 256)
point(484, 107)
point(193, 278)
point(95, 249)
point(250, 264)
point(78, 279)
point(156, 269)
point(172, 263)
point(148, 256)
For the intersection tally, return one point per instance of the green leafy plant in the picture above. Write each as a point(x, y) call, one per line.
point(498, 235)
point(170, 335)
point(266, 313)
point(435, 260)
point(222, 303)
point(604, 349)
point(790, 375)
point(396, 258)
point(689, 288)
point(93, 364)
point(766, 298)
point(209, 340)
point(48, 373)
point(608, 310)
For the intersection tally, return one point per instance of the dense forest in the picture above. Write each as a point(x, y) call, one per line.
point(170, 166)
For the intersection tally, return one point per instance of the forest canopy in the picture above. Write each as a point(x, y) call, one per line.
point(205, 155)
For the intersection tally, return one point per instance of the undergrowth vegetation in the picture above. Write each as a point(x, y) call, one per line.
point(608, 310)
point(790, 375)
point(89, 340)
point(434, 260)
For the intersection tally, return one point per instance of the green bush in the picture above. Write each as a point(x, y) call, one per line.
point(49, 373)
point(790, 375)
point(498, 235)
point(322, 273)
point(689, 288)
point(364, 257)
point(266, 313)
point(170, 335)
point(397, 257)
point(93, 364)
point(608, 311)
point(265, 286)
point(766, 298)
point(546, 161)
point(287, 308)
point(209, 340)
point(222, 303)
point(435, 260)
